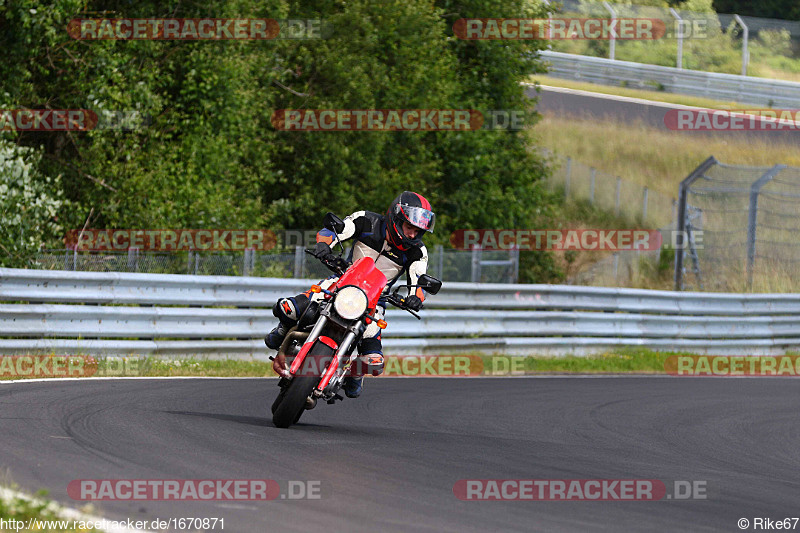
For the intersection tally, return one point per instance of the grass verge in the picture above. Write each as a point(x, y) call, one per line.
point(622, 360)
point(40, 513)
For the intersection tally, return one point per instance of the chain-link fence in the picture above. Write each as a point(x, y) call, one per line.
point(626, 199)
point(638, 205)
point(740, 229)
point(445, 264)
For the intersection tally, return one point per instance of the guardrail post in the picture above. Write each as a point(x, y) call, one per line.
point(745, 39)
point(592, 177)
point(752, 218)
point(613, 38)
point(679, 60)
point(616, 198)
point(683, 191)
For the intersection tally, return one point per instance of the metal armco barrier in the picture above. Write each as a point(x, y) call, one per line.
point(745, 89)
point(222, 316)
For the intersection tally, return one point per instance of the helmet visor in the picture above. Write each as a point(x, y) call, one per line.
point(417, 216)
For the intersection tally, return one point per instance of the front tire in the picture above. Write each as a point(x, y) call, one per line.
point(289, 409)
point(293, 404)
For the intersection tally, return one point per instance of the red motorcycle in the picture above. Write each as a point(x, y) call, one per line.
point(321, 348)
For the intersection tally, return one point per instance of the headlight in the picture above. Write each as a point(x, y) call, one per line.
point(350, 303)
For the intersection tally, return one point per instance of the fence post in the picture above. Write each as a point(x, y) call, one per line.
point(133, 259)
point(569, 174)
point(299, 257)
point(439, 259)
point(591, 185)
point(679, 59)
point(247, 261)
point(673, 218)
point(752, 218)
point(613, 43)
point(616, 200)
point(745, 38)
point(549, 25)
point(476, 264)
point(644, 204)
point(515, 267)
point(683, 191)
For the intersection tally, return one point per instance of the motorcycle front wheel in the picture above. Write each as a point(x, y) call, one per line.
point(290, 409)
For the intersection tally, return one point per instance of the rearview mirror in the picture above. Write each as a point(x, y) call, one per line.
point(333, 223)
point(429, 283)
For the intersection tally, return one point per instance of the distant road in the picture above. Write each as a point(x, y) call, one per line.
point(584, 104)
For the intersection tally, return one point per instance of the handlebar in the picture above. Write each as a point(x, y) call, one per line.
point(337, 265)
point(400, 302)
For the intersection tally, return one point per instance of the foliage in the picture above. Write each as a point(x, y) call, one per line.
point(28, 204)
point(779, 9)
point(208, 155)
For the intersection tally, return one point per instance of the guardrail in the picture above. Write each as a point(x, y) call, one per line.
point(745, 89)
point(179, 315)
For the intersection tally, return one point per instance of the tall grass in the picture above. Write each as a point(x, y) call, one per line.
point(658, 159)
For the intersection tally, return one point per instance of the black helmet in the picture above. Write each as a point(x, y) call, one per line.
point(412, 208)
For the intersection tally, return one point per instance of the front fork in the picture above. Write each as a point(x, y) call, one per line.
point(298, 360)
point(339, 357)
point(330, 378)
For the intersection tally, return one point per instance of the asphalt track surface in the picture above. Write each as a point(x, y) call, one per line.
point(388, 460)
point(595, 106)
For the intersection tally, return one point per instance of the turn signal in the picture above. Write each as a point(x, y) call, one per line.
point(382, 324)
point(316, 289)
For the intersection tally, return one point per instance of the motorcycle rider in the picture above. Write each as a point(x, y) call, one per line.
point(394, 241)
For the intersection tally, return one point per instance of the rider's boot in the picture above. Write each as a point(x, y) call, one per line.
point(367, 363)
point(285, 310)
point(353, 386)
point(274, 338)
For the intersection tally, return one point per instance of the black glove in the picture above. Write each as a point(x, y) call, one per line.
point(413, 303)
point(321, 250)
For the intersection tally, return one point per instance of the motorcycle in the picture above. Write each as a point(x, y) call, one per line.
point(321, 348)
